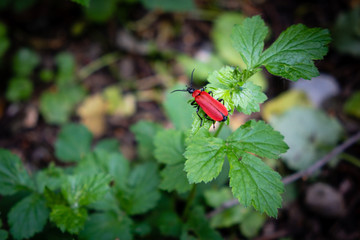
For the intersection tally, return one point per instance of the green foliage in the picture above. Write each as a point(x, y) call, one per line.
point(145, 132)
point(19, 89)
point(28, 217)
point(24, 62)
point(68, 219)
point(252, 181)
point(13, 176)
point(73, 143)
point(141, 193)
point(290, 56)
point(107, 225)
point(57, 107)
point(169, 149)
point(100, 11)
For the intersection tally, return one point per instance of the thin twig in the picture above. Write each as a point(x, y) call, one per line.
point(303, 174)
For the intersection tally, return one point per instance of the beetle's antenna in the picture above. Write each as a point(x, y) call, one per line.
point(191, 79)
point(179, 90)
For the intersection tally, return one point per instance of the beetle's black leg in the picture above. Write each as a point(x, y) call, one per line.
point(197, 112)
point(211, 93)
point(221, 100)
point(194, 104)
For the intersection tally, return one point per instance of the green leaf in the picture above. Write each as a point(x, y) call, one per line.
point(73, 143)
point(56, 107)
point(85, 3)
point(81, 190)
point(28, 217)
point(248, 98)
point(50, 177)
point(178, 109)
point(13, 176)
point(258, 138)
point(174, 178)
point(109, 145)
point(169, 146)
point(66, 69)
point(145, 132)
point(198, 224)
point(226, 84)
point(169, 223)
point(205, 157)
point(107, 225)
point(313, 137)
point(180, 6)
point(24, 62)
point(248, 39)
point(254, 183)
point(291, 55)
point(68, 219)
point(141, 194)
point(19, 88)
point(169, 149)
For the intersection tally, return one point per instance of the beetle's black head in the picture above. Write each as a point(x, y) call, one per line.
point(188, 89)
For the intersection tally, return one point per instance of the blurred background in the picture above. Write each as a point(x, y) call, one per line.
point(112, 64)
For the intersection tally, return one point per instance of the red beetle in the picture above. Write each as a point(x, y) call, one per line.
point(213, 108)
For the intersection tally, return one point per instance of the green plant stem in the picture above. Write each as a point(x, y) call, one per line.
point(189, 201)
point(351, 159)
point(219, 129)
point(98, 64)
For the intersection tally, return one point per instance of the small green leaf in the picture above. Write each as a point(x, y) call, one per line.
point(73, 143)
point(81, 190)
point(205, 157)
point(291, 55)
point(50, 177)
point(56, 107)
point(248, 39)
point(227, 84)
point(258, 138)
point(169, 224)
point(68, 219)
point(174, 178)
point(141, 194)
point(13, 176)
point(169, 149)
point(169, 146)
point(145, 132)
point(248, 97)
point(66, 69)
point(254, 183)
point(25, 61)
point(107, 225)
point(85, 3)
point(19, 88)
point(109, 145)
point(28, 217)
